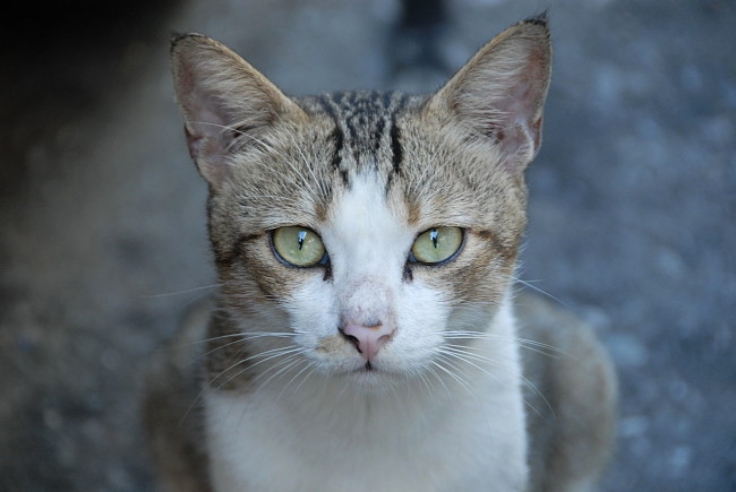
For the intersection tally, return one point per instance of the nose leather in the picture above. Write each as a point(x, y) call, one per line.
point(368, 339)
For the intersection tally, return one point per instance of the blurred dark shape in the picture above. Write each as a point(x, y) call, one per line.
point(416, 43)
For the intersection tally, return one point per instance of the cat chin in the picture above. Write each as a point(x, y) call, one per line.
point(379, 378)
point(371, 381)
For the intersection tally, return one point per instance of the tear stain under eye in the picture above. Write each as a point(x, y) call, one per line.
point(408, 275)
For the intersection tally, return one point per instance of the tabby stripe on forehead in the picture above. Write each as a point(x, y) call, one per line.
point(337, 134)
point(396, 150)
point(398, 101)
point(339, 139)
point(380, 126)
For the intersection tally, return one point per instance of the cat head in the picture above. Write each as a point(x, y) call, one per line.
point(360, 230)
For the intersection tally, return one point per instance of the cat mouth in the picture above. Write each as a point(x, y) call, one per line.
point(373, 371)
point(367, 367)
point(364, 369)
point(369, 376)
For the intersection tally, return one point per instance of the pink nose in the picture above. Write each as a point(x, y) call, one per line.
point(367, 339)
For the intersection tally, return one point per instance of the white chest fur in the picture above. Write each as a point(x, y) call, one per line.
point(433, 434)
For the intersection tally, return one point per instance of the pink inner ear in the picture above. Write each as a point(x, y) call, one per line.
point(518, 128)
point(202, 123)
point(221, 97)
point(514, 116)
point(206, 132)
point(500, 92)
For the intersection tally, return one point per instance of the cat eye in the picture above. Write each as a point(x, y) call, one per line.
point(298, 246)
point(437, 245)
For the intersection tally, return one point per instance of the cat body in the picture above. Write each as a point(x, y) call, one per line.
point(364, 336)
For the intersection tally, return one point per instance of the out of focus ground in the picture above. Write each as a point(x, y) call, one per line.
point(102, 237)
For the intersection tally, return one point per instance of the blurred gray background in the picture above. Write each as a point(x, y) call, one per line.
point(103, 243)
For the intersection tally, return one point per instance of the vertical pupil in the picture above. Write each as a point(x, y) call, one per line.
point(433, 236)
point(301, 237)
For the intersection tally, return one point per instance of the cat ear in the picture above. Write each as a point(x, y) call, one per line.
point(222, 98)
point(499, 94)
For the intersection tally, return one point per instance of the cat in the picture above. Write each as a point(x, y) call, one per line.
point(367, 334)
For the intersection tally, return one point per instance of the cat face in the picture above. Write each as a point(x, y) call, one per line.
point(366, 267)
point(355, 233)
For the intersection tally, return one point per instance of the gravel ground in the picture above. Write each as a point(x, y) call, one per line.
point(102, 245)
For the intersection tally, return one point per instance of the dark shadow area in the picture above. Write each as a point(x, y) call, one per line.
point(59, 61)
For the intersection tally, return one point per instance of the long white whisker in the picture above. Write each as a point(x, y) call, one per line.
point(306, 376)
point(270, 355)
point(469, 357)
point(284, 364)
point(182, 292)
point(437, 376)
point(239, 338)
point(307, 365)
point(458, 379)
point(525, 343)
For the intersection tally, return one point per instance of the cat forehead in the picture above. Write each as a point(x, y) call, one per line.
point(364, 215)
point(427, 174)
point(365, 135)
point(362, 116)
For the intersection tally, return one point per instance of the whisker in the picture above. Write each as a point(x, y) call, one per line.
point(289, 359)
point(458, 379)
point(538, 290)
point(307, 365)
point(437, 376)
point(525, 343)
point(240, 339)
point(269, 355)
point(313, 369)
point(182, 292)
point(468, 358)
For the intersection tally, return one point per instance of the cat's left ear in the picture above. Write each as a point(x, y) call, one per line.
point(499, 94)
point(223, 99)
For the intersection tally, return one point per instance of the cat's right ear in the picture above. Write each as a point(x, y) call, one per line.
point(222, 98)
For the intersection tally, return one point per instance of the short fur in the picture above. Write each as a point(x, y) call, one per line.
point(289, 400)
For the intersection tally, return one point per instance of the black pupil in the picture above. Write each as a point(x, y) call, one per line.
point(433, 236)
point(302, 236)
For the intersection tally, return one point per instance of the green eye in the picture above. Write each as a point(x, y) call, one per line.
point(437, 244)
point(298, 246)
